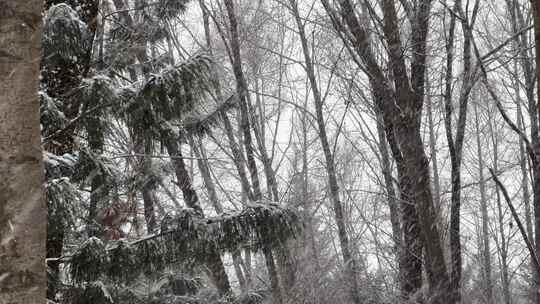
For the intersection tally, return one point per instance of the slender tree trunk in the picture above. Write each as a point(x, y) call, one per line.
point(523, 166)
point(455, 144)
point(503, 250)
point(142, 142)
point(283, 254)
point(204, 168)
point(98, 187)
point(23, 213)
point(348, 259)
point(535, 109)
point(238, 157)
point(242, 91)
point(486, 252)
point(390, 194)
point(522, 44)
point(265, 159)
point(202, 163)
point(149, 187)
point(434, 160)
point(94, 129)
point(214, 262)
point(526, 192)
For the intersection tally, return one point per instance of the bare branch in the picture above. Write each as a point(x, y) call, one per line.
point(518, 221)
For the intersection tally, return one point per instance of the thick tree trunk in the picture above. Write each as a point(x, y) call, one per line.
point(402, 125)
point(23, 213)
point(392, 199)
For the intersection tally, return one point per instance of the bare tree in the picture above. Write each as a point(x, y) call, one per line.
point(401, 109)
point(242, 91)
point(486, 252)
point(455, 145)
point(349, 260)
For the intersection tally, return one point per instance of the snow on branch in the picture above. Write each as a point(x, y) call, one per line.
point(186, 236)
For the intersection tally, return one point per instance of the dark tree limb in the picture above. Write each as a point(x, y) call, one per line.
point(518, 221)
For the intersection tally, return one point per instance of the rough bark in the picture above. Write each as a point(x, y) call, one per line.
point(23, 213)
point(401, 116)
point(391, 196)
point(59, 83)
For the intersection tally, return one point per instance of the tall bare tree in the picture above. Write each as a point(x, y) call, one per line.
point(401, 107)
point(455, 143)
point(486, 252)
point(349, 260)
point(242, 91)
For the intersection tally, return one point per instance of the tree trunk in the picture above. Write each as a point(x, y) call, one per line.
point(536, 141)
point(486, 252)
point(455, 145)
point(434, 160)
point(348, 259)
point(265, 159)
point(202, 163)
point(242, 91)
point(214, 262)
point(283, 254)
point(23, 213)
point(98, 187)
point(392, 199)
point(401, 110)
point(503, 250)
point(149, 187)
point(238, 157)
